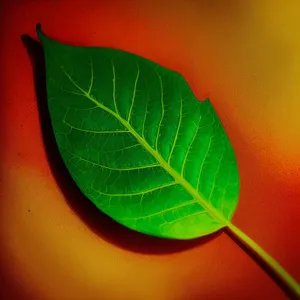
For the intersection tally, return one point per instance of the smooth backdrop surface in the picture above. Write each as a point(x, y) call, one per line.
point(246, 58)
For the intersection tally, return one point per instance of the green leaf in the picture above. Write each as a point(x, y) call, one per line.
point(142, 148)
point(138, 143)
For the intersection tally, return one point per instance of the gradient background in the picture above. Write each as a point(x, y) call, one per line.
point(246, 58)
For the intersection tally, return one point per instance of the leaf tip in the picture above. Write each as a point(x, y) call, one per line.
point(38, 28)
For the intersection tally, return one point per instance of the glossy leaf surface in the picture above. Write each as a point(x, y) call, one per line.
point(138, 143)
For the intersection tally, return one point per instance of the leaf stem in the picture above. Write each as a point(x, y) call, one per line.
point(285, 280)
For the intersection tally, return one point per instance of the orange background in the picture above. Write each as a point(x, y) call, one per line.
point(246, 58)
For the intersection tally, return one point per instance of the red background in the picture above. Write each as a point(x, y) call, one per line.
point(246, 59)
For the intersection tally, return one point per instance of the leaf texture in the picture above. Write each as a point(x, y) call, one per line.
point(138, 143)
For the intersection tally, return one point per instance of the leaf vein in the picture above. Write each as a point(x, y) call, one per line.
point(215, 175)
point(133, 94)
point(163, 211)
point(145, 117)
point(184, 217)
point(203, 162)
point(72, 80)
point(92, 78)
point(111, 168)
point(189, 148)
point(125, 148)
point(93, 131)
point(140, 193)
point(162, 109)
point(177, 131)
point(114, 87)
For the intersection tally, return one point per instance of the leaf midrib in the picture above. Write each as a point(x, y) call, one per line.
point(177, 177)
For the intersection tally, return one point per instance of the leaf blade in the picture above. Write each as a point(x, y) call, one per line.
point(169, 149)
